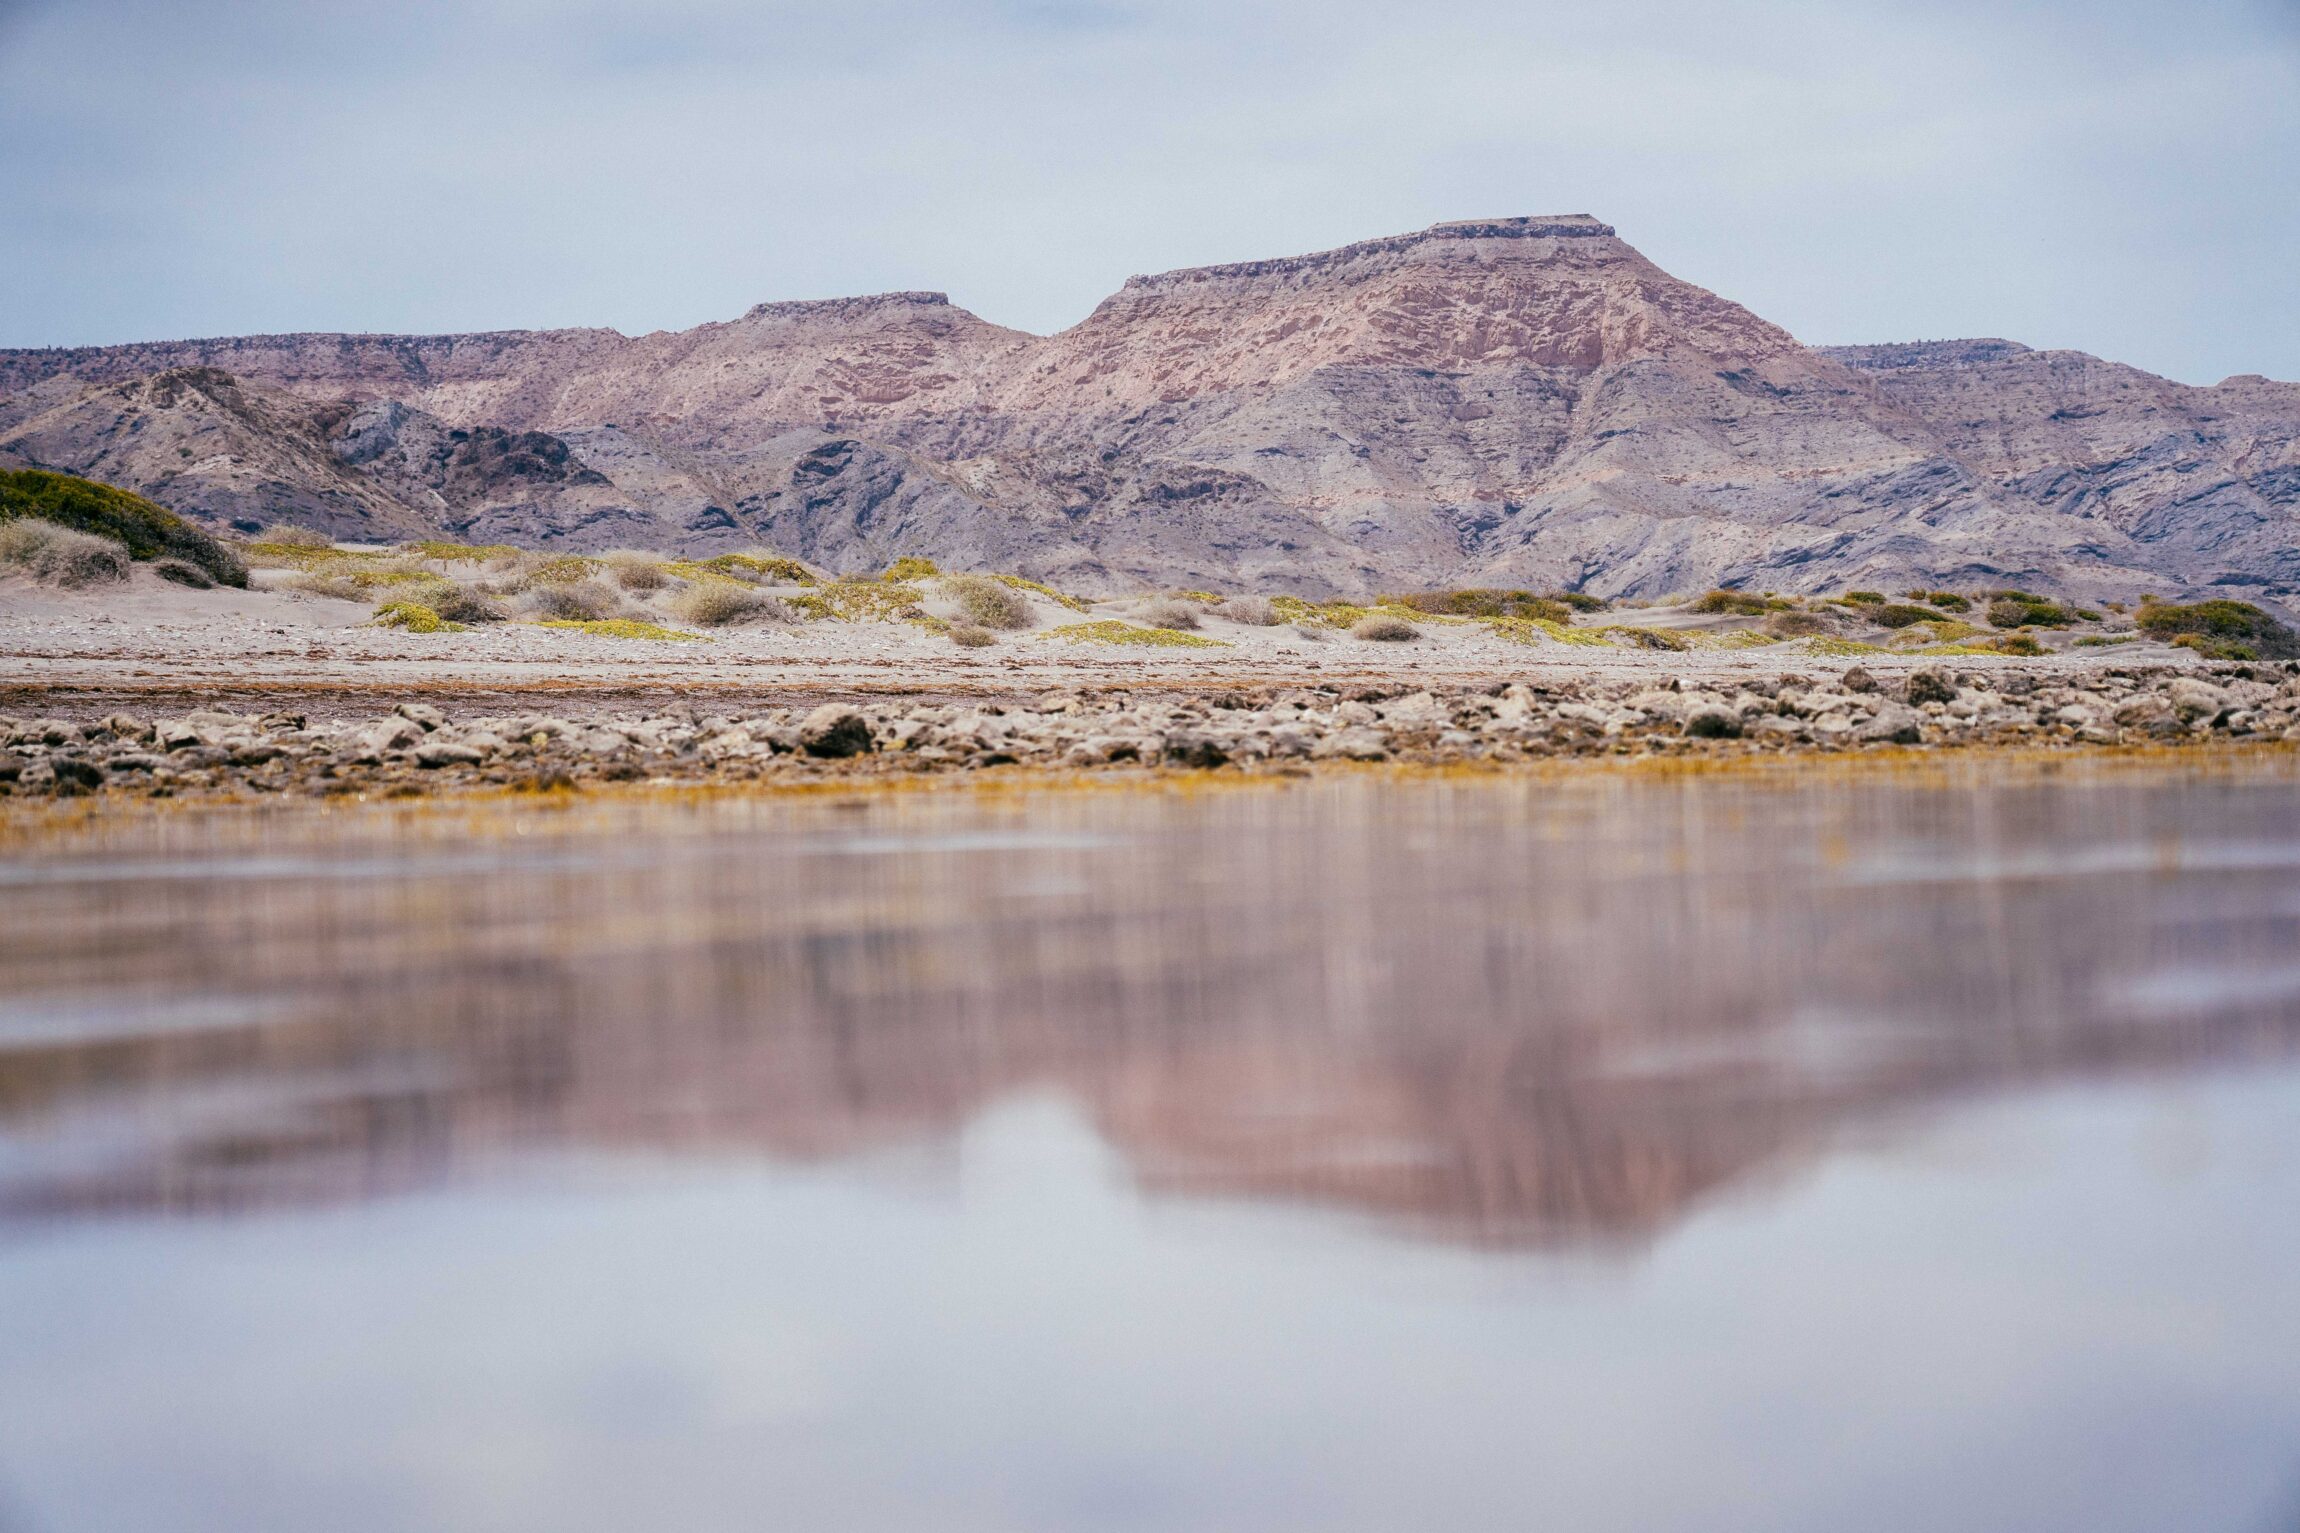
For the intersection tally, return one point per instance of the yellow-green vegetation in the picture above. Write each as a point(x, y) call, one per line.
point(1947, 601)
point(765, 567)
point(1482, 602)
point(910, 567)
point(622, 628)
point(2104, 640)
point(1020, 584)
point(2015, 644)
point(146, 530)
point(2218, 629)
point(1111, 631)
point(1865, 598)
point(564, 569)
point(856, 601)
point(1631, 637)
point(2008, 611)
point(1901, 615)
point(413, 617)
point(1937, 630)
point(1342, 614)
point(1828, 644)
point(1207, 597)
point(1532, 630)
point(458, 553)
point(1740, 638)
point(1740, 603)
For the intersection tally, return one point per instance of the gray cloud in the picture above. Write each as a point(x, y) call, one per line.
point(2107, 175)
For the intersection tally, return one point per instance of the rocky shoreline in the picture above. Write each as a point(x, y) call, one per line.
point(418, 748)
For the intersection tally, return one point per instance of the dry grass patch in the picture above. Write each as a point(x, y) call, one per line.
point(1385, 630)
point(59, 556)
point(986, 602)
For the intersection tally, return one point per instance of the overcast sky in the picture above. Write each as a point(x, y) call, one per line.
point(2113, 175)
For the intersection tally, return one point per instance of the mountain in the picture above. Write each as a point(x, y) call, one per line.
point(1522, 401)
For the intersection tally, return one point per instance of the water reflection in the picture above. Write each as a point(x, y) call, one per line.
point(1524, 1013)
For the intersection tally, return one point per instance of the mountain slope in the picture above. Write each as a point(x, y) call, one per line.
point(1527, 401)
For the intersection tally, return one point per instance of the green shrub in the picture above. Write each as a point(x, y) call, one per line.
point(1796, 625)
point(1111, 631)
point(622, 628)
point(1739, 603)
point(1900, 615)
point(147, 531)
point(1579, 601)
point(2227, 622)
point(1483, 602)
point(1866, 598)
point(910, 568)
point(1947, 601)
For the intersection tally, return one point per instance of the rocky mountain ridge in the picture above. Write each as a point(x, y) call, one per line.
point(1514, 401)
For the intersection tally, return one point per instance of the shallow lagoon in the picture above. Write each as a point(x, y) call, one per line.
point(1594, 1150)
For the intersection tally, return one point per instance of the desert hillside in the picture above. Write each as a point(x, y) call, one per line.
point(1516, 402)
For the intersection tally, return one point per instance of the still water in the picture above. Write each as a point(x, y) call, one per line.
point(1597, 1152)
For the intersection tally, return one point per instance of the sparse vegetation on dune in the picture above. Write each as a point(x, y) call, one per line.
point(1483, 602)
point(1111, 631)
point(909, 568)
point(145, 530)
point(635, 570)
point(1167, 613)
point(61, 556)
point(413, 617)
point(2218, 629)
point(1738, 603)
point(1382, 629)
point(971, 636)
point(622, 628)
point(721, 603)
point(578, 601)
point(1047, 591)
point(1252, 611)
point(861, 601)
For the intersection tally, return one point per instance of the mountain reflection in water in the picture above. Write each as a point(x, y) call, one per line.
point(1514, 1013)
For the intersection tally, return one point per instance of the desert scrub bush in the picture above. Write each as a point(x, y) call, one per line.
point(2016, 644)
point(2104, 640)
point(910, 567)
point(1947, 601)
point(1327, 615)
point(1796, 625)
point(145, 530)
point(1483, 602)
point(182, 572)
point(1739, 638)
point(1111, 631)
point(1532, 630)
point(2233, 622)
point(1738, 603)
point(2034, 612)
point(1642, 638)
point(1579, 601)
point(284, 536)
point(723, 603)
point(1052, 595)
point(580, 601)
point(971, 636)
point(857, 601)
point(1866, 598)
point(758, 568)
point(621, 628)
point(446, 552)
point(1385, 630)
point(635, 570)
point(987, 603)
point(60, 556)
point(1902, 615)
point(1252, 611)
point(1165, 613)
point(1824, 644)
point(1313, 633)
point(413, 617)
point(457, 603)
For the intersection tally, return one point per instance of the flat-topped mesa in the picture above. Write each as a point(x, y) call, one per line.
point(1561, 226)
point(845, 308)
point(1560, 293)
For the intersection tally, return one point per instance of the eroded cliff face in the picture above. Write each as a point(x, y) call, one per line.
point(1527, 401)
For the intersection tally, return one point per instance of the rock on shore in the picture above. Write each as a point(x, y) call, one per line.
point(418, 747)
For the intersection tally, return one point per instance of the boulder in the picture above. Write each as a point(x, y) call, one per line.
point(835, 730)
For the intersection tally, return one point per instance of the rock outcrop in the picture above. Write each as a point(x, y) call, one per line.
point(1519, 401)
